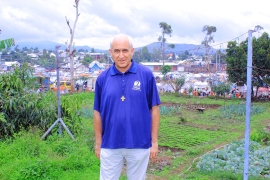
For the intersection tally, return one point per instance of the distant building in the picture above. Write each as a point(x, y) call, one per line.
point(9, 66)
point(156, 66)
point(96, 66)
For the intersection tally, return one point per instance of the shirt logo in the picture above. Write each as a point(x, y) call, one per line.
point(137, 86)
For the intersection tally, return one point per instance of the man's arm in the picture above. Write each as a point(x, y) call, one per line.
point(98, 132)
point(155, 124)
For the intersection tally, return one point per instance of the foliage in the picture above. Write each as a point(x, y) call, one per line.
point(234, 110)
point(182, 136)
point(236, 59)
point(27, 156)
point(87, 60)
point(231, 159)
point(75, 107)
point(165, 29)
point(221, 88)
point(184, 55)
point(142, 55)
point(20, 107)
point(176, 83)
point(209, 38)
point(165, 69)
point(164, 110)
point(261, 136)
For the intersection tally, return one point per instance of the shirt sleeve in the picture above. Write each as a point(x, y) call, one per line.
point(153, 92)
point(97, 98)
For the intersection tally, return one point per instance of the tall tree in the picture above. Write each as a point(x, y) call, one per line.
point(236, 59)
point(165, 29)
point(70, 46)
point(209, 38)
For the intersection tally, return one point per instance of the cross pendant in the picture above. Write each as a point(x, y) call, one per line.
point(123, 98)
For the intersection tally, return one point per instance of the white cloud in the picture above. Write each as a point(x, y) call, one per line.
point(99, 20)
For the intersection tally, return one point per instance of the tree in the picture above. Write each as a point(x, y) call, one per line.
point(209, 38)
point(87, 60)
point(155, 55)
point(165, 69)
point(36, 50)
point(137, 56)
point(145, 54)
point(184, 55)
point(70, 47)
point(178, 82)
point(165, 29)
point(19, 106)
point(236, 59)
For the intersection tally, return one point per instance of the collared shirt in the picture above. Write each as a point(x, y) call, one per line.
point(126, 124)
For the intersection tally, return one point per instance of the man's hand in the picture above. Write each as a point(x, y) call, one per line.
point(97, 151)
point(154, 150)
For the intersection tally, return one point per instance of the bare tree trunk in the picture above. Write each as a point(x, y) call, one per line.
point(71, 49)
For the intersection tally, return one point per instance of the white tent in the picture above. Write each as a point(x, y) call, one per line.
point(202, 85)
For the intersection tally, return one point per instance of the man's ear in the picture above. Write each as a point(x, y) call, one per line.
point(110, 50)
point(132, 51)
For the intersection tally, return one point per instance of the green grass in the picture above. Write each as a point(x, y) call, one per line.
point(187, 135)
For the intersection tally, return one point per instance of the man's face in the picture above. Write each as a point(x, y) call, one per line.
point(121, 53)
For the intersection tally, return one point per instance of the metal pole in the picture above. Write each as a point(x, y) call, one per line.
point(248, 104)
point(59, 119)
point(216, 61)
point(58, 89)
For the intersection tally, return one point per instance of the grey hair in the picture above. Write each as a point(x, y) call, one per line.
point(122, 35)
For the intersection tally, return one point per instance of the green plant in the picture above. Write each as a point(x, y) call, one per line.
point(231, 159)
point(260, 136)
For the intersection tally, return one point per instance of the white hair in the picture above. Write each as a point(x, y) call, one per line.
point(122, 35)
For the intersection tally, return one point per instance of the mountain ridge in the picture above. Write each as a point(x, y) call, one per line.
point(179, 48)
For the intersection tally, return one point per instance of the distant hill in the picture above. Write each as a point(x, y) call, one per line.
point(50, 45)
point(179, 48)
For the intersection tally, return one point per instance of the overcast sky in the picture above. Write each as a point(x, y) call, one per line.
point(99, 20)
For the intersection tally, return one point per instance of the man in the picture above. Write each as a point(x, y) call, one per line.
point(126, 114)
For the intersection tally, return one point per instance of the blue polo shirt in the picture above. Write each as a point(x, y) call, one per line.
point(126, 124)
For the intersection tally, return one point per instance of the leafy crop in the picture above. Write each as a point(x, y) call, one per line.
point(174, 135)
point(234, 110)
point(164, 110)
point(231, 159)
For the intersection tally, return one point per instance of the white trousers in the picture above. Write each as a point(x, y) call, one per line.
point(112, 161)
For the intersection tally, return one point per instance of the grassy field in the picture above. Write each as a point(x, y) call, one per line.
point(185, 135)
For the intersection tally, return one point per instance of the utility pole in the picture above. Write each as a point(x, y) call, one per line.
point(248, 104)
point(248, 101)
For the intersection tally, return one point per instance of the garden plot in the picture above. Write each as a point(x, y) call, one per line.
point(183, 136)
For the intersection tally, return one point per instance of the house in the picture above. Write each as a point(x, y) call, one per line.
point(8, 66)
point(33, 56)
point(39, 69)
point(97, 56)
point(156, 66)
point(78, 68)
point(96, 66)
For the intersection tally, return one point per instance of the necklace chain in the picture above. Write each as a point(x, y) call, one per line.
point(124, 88)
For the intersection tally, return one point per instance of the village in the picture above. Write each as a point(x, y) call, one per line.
point(194, 70)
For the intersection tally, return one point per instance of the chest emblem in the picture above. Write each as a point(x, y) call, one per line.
point(137, 86)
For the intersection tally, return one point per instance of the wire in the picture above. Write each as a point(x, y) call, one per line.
point(216, 44)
